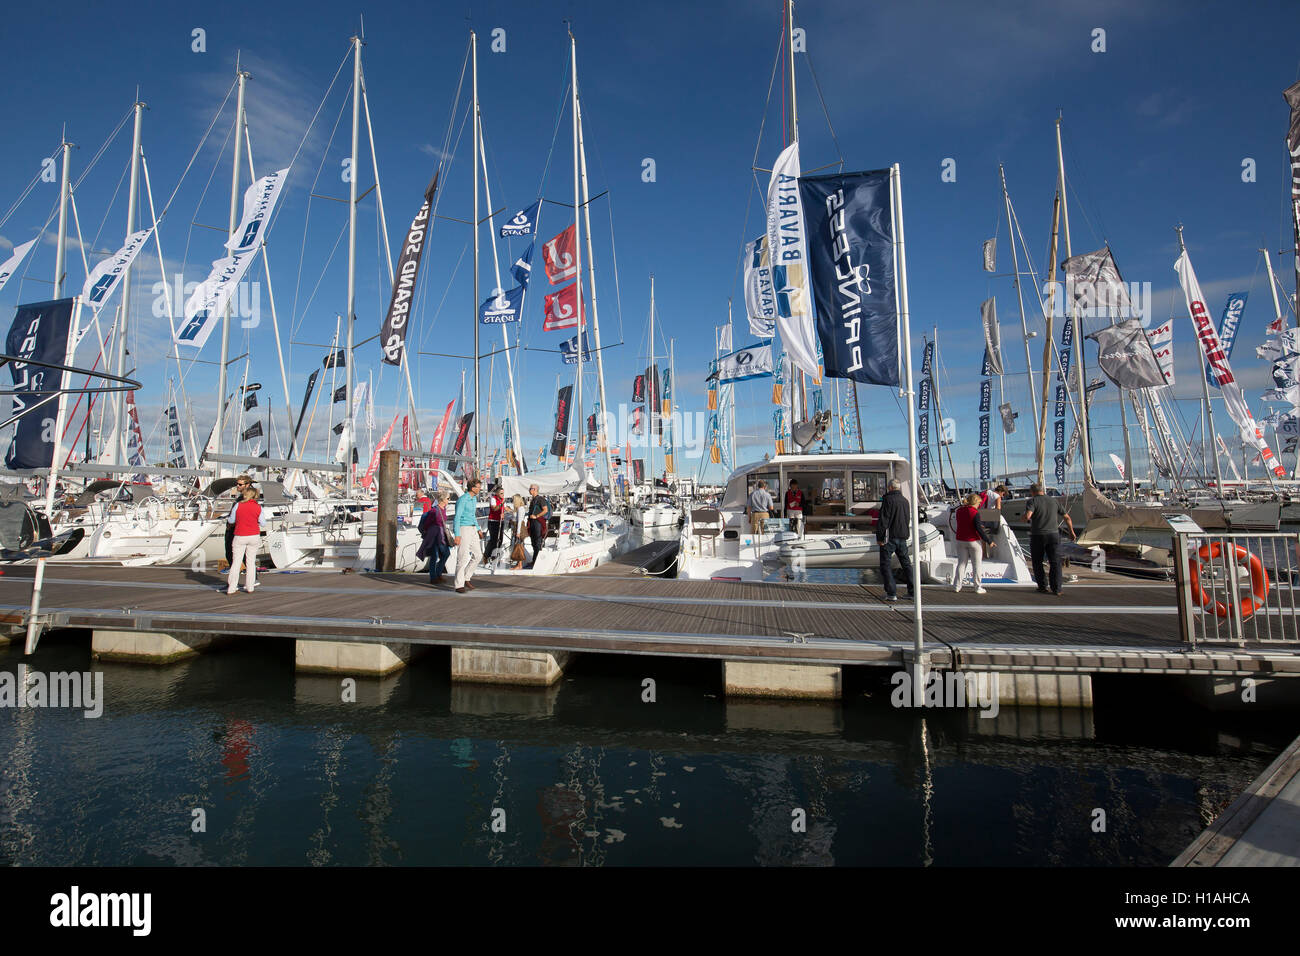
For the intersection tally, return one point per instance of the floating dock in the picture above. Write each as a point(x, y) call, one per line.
point(782, 639)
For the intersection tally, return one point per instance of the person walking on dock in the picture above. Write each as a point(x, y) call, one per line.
point(760, 507)
point(1045, 515)
point(248, 520)
point(467, 537)
point(970, 532)
point(433, 535)
point(496, 520)
point(539, 511)
point(893, 530)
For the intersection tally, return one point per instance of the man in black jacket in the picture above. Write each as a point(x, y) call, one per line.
point(893, 531)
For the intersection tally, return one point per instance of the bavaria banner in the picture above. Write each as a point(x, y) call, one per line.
point(760, 303)
point(560, 440)
point(752, 362)
point(851, 248)
point(1217, 361)
point(392, 335)
point(1228, 326)
point(10, 265)
point(104, 277)
point(209, 300)
point(787, 245)
point(39, 334)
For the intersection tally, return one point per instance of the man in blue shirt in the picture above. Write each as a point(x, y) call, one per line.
point(467, 537)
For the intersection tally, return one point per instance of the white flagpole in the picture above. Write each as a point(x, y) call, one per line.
point(900, 294)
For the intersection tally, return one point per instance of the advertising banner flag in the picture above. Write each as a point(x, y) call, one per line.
point(992, 335)
point(522, 223)
point(522, 270)
point(1292, 97)
point(10, 265)
point(984, 464)
point(851, 258)
point(760, 299)
point(39, 334)
point(1124, 353)
point(638, 390)
point(1162, 345)
point(788, 247)
point(559, 258)
point(1228, 325)
point(462, 446)
point(1008, 418)
point(1093, 284)
point(369, 478)
point(923, 399)
point(986, 395)
point(984, 431)
point(392, 335)
point(754, 361)
point(560, 438)
point(990, 251)
point(502, 307)
point(104, 277)
point(560, 309)
point(439, 436)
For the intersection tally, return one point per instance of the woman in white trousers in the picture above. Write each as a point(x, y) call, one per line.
point(249, 519)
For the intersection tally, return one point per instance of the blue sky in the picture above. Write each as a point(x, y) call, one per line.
point(1156, 129)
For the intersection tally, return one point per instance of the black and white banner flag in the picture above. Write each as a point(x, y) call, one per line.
point(39, 334)
point(986, 395)
point(992, 335)
point(392, 335)
point(984, 431)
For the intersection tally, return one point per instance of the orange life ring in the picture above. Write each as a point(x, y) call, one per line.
point(1259, 584)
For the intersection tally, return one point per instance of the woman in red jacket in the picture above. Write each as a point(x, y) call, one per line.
point(249, 520)
point(970, 532)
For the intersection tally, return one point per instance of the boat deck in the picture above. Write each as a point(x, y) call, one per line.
point(1097, 625)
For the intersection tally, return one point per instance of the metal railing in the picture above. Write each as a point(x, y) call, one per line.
point(1238, 588)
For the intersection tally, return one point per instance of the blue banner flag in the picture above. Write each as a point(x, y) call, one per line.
point(39, 334)
point(923, 463)
point(923, 430)
point(523, 223)
point(1067, 343)
point(984, 464)
point(986, 369)
point(522, 270)
point(923, 401)
point(1060, 469)
point(503, 307)
point(849, 225)
point(984, 433)
point(569, 350)
point(1228, 326)
point(927, 359)
point(1060, 401)
point(1059, 440)
point(986, 395)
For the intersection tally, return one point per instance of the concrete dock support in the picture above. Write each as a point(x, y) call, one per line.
point(791, 681)
point(148, 647)
point(1045, 690)
point(362, 659)
point(523, 668)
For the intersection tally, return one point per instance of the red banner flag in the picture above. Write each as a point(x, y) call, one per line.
point(369, 479)
point(559, 259)
point(561, 309)
point(436, 445)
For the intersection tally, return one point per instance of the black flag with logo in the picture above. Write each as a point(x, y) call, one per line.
point(311, 383)
point(253, 431)
point(39, 334)
point(462, 434)
point(392, 336)
point(336, 359)
point(340, 393)
point(560, 440)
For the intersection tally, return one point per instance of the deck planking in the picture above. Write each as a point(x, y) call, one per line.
point(1097, 625)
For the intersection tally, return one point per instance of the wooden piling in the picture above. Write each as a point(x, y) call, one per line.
point(386, 537)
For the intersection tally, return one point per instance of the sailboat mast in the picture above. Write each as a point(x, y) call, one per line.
point(1078, 320)
point(672, 383)
point(1020, 297)
point(65, 191)
point(473, 54)
point(602, 432)
point(1047, 339)
point(119, 363)
point(350, 318)
point(798, 386)
point(1205, 392)
point(649, 392)
point(580, 442)
point(242, 78)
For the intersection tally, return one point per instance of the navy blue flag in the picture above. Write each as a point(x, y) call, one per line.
point(986, 395)
point(923, 463)
point(984, 433)
point(923, 403)
point(569, 349)
point(341, 393)
point(849, 221)
point(522, 270)
point(1060, 401)
point(1059, 440)
point(523, 223)
point(927, 359)
point(39, 334)
point(1067, 343)
point(987, 368)
point(984, 464)
point(505, 307)
point(1060, 469)
point(923, 430)
point(1228, 326)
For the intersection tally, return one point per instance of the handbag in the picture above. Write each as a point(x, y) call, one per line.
point(517, 552)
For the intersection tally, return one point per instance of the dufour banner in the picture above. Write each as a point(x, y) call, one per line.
point(39, 334)
point(560, 440)
point(522, 223)
point(760, 301)
point(1228, 326)
point(787, 243)
point(851, 257)
point(392, 335)
point(104, 277)
point(175, 444)
point(752, 362)
point(205, 307)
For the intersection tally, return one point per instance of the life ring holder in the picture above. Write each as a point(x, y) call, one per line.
point(1259, 583)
